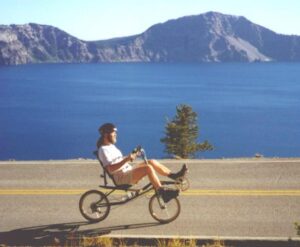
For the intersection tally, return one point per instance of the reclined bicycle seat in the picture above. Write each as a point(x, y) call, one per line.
point(122, 186)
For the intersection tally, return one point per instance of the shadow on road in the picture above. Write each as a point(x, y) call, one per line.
point(59, 234)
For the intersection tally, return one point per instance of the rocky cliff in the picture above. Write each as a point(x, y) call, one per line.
point(210, 37)
point(33, 43)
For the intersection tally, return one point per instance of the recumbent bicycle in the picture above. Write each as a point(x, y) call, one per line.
point(95, 205)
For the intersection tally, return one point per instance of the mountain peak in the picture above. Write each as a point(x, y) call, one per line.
point(215, 14)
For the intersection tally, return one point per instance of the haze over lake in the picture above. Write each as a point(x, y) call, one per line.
point(53, 111)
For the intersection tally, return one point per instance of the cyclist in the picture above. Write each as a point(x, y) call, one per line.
point(118, 165)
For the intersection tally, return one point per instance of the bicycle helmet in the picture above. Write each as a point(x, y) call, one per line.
point(107, 128)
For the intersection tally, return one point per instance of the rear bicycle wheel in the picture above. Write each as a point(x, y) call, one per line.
point(94, 206)
point(164, 212)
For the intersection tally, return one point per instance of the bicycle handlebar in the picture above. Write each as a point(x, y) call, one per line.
point(142, 152)
point(137, 149)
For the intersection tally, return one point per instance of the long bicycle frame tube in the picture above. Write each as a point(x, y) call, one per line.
point(139, 192)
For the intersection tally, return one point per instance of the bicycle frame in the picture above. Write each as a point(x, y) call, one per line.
point(138, 192)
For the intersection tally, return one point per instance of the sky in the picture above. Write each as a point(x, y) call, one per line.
point(104, 19)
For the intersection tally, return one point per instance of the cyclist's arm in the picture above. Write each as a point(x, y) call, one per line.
point(113, 167)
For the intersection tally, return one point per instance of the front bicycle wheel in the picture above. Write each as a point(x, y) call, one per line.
point(164, 212)
point(94, 206)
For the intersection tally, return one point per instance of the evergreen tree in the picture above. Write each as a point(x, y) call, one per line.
point(181, 134)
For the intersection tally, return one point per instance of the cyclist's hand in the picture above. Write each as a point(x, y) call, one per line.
point(132, 156)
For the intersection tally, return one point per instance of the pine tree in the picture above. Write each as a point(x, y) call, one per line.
point(181, 134)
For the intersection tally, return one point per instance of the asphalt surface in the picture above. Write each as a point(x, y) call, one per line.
point(241, 198)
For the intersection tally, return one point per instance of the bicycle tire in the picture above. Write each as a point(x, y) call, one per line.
point(164, 212)
point(94, 206)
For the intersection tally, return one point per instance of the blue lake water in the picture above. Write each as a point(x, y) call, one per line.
point(53, 111)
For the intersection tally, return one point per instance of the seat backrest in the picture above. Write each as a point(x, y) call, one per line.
point(105, 173)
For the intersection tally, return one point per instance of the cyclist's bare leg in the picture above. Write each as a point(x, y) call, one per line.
point(160, 168)
point(144, 170)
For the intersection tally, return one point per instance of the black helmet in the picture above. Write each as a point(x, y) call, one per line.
point(107, 128)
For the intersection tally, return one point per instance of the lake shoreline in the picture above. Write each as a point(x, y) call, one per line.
point(175, 161)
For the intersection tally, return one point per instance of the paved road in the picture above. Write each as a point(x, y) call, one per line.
point(240, 198)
